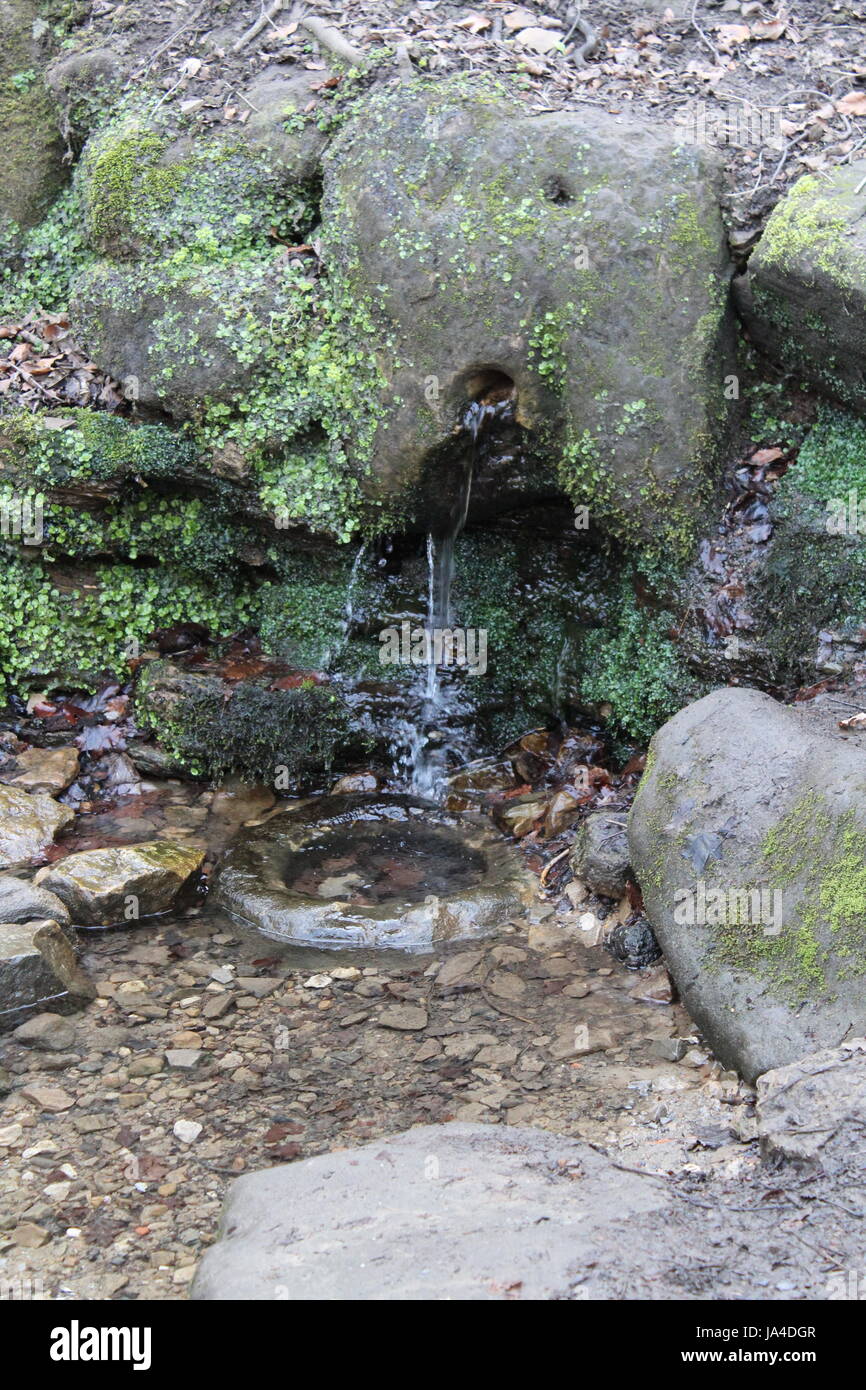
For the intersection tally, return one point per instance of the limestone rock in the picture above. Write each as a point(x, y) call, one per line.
point(443, 1212)
point(38, 968)
point(98, 885)
point(32, 170)
point(573, 258)
point(748, 838)
point(28, 825)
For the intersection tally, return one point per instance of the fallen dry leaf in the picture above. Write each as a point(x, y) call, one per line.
point(853, 104)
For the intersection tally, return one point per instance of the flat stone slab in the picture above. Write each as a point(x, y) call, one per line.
point(815, 1109)
point(442, 1212)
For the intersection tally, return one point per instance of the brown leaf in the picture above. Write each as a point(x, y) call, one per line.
point(853, 104)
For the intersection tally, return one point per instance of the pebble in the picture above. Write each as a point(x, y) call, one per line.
point(405, 1017)
point(317, 982)
point(50, 1098)
point(182, 1057)
point(187, 1131)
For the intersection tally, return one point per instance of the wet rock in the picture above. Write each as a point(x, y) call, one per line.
point(600, 855)
point(21, 901)
point(563, 810)
point(356, 782)
point(460, 969)
point(29, 823)
point(656, 986)
point(748, 836)
point(42, 769)
point(421, 1216)
point(803, 298)
point(519, 816)
point(815, 1109)
point(99, 886)
point(634, 944)
point(38, 967)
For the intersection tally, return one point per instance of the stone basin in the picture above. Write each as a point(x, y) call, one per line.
point(374, 871)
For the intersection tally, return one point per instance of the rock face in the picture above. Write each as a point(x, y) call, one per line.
point(748, 838)
point(455, 1211)
point(815, 1109)
point(803, 299)
point(573, 258)
point(102, 887)
point(600, 854)
point(28, 825)
point(38, 969)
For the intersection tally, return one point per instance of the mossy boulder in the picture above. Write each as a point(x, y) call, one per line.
point(32, 170)
point(573, 258)
point(803, 299)
point(748, 839)
point(105, 887)
point(287, 739)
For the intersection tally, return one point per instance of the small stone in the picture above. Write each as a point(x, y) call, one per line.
point(217, 1006)
point(506, 985)
point(576, 989)
point(183, 1057)
point(9, 1135)
point(186, 1131)
point(352, 1019)
point(501, 1055)
point(459, 968)
point(50, 1098)
point(29, 1236)
point(404, 1017)
point(346, 972)
point(145, 1066)
point(260, 985)
point(429, 1049)
point(317, 982)
point(48, 1032)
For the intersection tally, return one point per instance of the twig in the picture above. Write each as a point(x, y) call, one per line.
point(550, 863)
point(702, 34)
point(331, 38)
point(264, 18)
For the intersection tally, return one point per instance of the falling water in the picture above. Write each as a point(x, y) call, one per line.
point(437, 737)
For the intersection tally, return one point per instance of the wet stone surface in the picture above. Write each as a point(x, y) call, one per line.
point(210, 1052)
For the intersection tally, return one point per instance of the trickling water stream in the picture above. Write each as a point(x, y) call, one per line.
point(437, 738)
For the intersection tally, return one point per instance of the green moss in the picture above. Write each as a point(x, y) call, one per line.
point(286, 736)
point(80, 628)
point(817, 861)
point(809, 227)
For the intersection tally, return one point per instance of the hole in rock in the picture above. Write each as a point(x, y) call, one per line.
point(368, 863)
point(489, 385)
point(555, 191)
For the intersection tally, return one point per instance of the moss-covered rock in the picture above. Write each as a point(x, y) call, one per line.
point(748, 838)
point(803, 299)
point(32, 170)
point(577, 257)
point(285, 738)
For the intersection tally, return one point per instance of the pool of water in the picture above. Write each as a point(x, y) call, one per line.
point(370, 863)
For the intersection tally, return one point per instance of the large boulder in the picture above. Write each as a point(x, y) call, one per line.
point(39, 970)
point(103, 887)
point(29, 823)
point(575, 259)
point(748, 838)
point(443, 1212)
point(803, 298)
